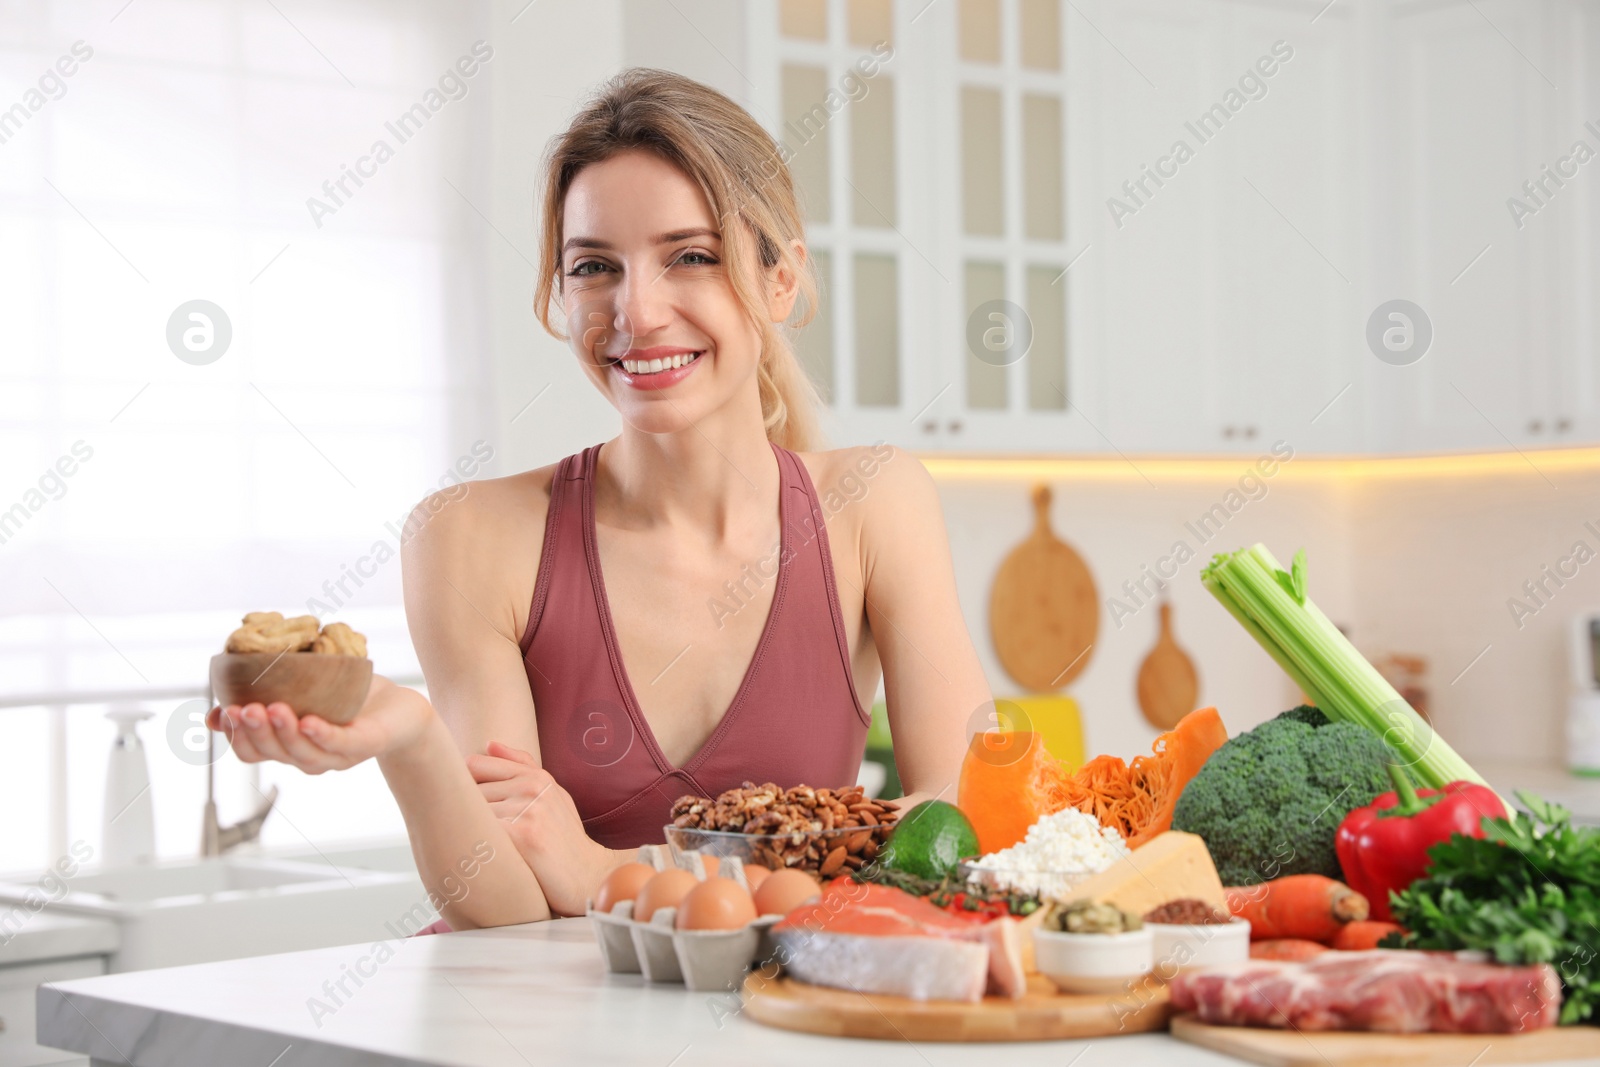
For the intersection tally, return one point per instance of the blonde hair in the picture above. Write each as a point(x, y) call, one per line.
point(738, 166)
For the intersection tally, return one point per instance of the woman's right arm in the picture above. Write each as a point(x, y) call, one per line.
point(469, 563)
point(464, 628)
point(464, 854)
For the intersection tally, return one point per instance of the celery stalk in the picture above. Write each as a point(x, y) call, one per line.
point(1272, 606)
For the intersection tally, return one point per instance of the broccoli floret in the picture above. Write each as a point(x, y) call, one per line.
point(1311, 716)
point(1269, 801)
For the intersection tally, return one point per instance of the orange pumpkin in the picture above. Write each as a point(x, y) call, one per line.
point(1009, 780)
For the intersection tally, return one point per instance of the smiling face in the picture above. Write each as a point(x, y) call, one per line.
point(651, 309)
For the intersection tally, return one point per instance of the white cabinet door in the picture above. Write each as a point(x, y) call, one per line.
point(1227, 285)
point(18, 986)
point(880, 377)
point(1141, 307)
point(1287, 255)
point(1575, 223)
point(1458, 133)
point(841, 89)
point(998, 114)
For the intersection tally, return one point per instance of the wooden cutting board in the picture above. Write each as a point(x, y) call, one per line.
point(1293, 1048)
point(1044, 612)
point(1168, 686)
point(1041, 1015)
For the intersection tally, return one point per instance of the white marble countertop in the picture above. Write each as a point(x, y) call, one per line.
point(50, 936)
point(510, 997)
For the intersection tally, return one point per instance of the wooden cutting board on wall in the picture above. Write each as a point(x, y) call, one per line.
point(1044, 610)
point(1168, 686)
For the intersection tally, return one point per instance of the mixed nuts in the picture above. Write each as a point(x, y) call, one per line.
point(800, 827)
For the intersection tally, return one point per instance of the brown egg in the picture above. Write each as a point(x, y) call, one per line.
point(716, 904)
point(711, 863)
point(663, 890)
point(622, 884)
point(783, 891)
point(754, 875)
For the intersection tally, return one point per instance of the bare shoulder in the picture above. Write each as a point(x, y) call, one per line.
point(478, 514)
point(872, 489)
point(481, 540)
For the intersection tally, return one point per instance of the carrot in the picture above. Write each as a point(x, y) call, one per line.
point(1308, 906)
point(1356, 936)
point(1137, 798)
point(1293, 949)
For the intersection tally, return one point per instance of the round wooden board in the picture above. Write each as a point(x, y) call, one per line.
point(1044, 611)
point(1041, 1015)
point(1168, 686)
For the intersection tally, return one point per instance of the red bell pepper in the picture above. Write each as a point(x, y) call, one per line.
point(1384, 847)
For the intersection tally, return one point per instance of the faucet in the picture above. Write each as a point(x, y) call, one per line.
point(215, 839)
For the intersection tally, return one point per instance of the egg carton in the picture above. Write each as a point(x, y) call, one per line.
point(701, 960)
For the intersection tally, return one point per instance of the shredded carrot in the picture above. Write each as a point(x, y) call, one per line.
point(1137, 799)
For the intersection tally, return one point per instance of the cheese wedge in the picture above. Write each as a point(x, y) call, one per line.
point(1172, 866)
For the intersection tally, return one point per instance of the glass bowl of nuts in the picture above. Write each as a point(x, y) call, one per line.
point(315, 669)
point(822, 831)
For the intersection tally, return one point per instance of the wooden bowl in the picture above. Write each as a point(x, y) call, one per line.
point(333, 687)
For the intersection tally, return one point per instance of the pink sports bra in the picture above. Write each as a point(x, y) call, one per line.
point(795, 717)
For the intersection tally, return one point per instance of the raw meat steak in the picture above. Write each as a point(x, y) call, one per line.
point(1389, 990)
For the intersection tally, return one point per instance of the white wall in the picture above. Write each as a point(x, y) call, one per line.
point(1437, 560)
point(554, 56)
point(702, 38)
point(1415, 563)
point(1120, 524)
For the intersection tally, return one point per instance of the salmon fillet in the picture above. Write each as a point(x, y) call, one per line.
point(878, 939)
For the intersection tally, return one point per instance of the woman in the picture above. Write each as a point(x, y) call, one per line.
point(670, 612)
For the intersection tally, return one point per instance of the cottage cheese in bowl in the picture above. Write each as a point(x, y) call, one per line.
point(1060, 851)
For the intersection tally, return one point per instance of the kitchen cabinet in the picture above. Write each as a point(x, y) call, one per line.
point(1225, 307)
point(958, 232)
point(18, 985)
point(37, 948)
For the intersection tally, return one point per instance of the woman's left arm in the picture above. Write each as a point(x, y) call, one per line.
point(933, 683)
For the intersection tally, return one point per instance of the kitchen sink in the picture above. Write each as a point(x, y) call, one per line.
point(378, 854)
point(201, 910)
point(148, 884)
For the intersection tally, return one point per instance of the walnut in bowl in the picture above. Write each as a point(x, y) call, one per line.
point(822, 831)
point(322, 671)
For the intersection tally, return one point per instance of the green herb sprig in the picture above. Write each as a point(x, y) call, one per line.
point(941, 892)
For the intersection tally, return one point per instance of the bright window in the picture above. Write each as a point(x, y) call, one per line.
point(227, 152)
